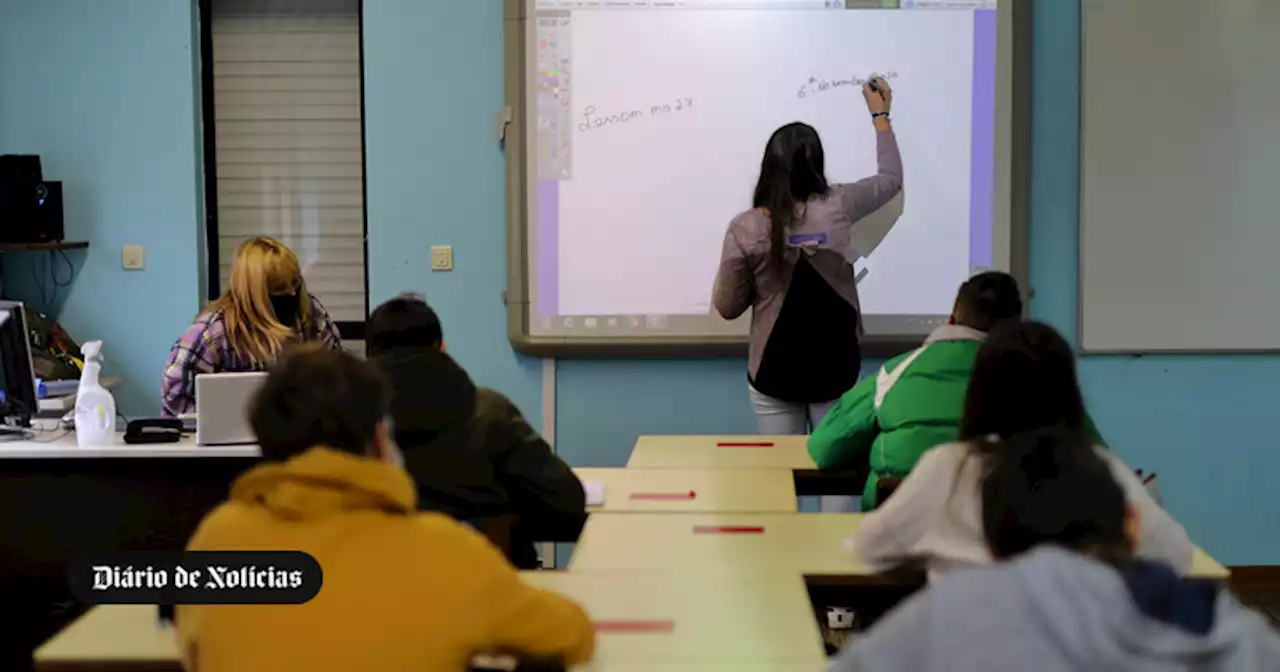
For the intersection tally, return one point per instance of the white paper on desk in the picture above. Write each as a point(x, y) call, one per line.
point(867, 233)
point(595, 493)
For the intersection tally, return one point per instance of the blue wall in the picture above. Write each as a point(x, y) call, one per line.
point(435, 176)
point(105, 92)
point(1204, 424)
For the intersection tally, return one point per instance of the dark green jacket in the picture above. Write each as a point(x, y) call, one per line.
point(906, 409)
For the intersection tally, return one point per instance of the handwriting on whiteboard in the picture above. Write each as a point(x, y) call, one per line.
point(593, 118)
point(815, 85)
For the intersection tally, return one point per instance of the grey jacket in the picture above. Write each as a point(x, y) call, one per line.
point(745, 279)
point(1057, 611)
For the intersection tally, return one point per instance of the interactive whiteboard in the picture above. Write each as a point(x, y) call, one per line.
point(638, 131)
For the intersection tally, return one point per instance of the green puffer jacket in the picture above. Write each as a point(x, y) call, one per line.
point(894, 429)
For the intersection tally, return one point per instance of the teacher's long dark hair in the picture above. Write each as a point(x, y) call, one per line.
point(792, 172)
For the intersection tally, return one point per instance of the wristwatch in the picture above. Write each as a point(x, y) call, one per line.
point(882, 113)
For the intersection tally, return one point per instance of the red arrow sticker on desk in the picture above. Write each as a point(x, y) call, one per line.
point(670, 496)
point(728, 529)
point(745, 444)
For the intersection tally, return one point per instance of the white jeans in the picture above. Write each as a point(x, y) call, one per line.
point(775, 417)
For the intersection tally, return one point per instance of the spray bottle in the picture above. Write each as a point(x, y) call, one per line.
point(95, 407)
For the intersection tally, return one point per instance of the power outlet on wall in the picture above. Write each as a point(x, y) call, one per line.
point(133, 258)
point(441, 258)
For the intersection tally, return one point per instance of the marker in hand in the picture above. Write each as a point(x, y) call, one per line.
point(878, 95)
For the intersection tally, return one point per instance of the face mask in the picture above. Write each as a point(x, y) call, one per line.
point(286, 308)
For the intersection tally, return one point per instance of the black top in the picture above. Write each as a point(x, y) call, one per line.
point(813, 354)
point(472, 455)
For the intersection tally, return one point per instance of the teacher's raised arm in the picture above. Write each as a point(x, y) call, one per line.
point(869, 194)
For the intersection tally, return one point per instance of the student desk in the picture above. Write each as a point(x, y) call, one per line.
point(746, 452)
point(693, 490)
point(790, 543)
point(1203, 566)
point(721, 452)
point(773, 617)
point(122, 638)
point(813, 545)
point(723, 616)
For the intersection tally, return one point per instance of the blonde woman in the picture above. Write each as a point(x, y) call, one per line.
point(265, 307)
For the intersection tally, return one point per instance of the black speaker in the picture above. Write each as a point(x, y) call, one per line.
point(20, 168)
point(30, 212)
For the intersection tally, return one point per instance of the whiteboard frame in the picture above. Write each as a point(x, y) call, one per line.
point(1011, 202)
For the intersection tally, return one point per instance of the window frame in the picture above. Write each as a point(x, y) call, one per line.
point(348, 330)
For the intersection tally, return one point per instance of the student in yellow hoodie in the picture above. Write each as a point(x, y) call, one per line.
point(402, 590)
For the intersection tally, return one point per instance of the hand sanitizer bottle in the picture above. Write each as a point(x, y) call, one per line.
point(95, 407)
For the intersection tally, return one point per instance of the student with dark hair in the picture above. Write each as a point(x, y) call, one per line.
point(914, 402)
point(1067, 593)
point(1023, 380)
point(789, 260)
point(470, 451)
point(402, 590)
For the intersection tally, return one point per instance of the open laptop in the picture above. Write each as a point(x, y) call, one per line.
point(222, 401)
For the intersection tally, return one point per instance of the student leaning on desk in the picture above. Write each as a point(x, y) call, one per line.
point(402, 591)
point(471, 453)
point(1067, 593)
point(914, 402)
point(265, 307)
point(1024, 379)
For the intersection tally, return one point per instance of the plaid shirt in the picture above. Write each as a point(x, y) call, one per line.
point(204, 348)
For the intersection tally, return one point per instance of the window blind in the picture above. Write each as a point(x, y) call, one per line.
point(288, 140)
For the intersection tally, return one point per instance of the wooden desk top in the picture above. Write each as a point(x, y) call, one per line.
point(506, 663)
point(714, 491)
point(116, 635)
point(728, 617)
point(1203, 566)
point(705, 452)
point(59, 444)
point(811, 544)
point(728, 621)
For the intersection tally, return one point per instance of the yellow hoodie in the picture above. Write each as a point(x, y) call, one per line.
point(402, 590)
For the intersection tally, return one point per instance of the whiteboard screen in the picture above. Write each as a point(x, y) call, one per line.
point(1180, 153)
point(646, 126)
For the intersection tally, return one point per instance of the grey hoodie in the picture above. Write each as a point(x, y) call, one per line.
point(1057, 611)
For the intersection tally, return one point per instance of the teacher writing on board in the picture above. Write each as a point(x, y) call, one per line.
point(789, 260)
